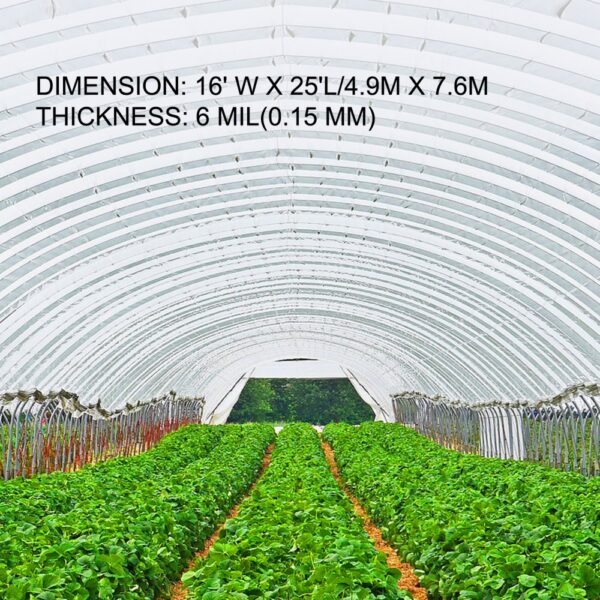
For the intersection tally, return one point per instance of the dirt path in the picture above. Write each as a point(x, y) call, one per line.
point(409, 581)
point(179, 592)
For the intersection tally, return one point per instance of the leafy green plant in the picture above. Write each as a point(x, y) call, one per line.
point(295, 537)
point(133, 530)
point(28, 500)
point(478, 528)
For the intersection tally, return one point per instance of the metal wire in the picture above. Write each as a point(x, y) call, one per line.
point(44, 433)
point(562, 432)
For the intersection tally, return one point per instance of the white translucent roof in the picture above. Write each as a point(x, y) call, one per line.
point(299, 369)
point(453, 249)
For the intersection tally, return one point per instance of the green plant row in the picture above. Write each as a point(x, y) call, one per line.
point(28, 500)
point(477, 528)
point(296, 537)
point(135, 534)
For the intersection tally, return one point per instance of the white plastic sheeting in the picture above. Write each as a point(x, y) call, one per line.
point(453, 249)
point(299, 369)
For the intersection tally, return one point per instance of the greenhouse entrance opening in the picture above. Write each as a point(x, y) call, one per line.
point(301, 389)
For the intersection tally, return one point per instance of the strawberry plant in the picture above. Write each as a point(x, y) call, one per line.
point(31, 499)
point(296, 537)
point(478, 528)
point(133, 530)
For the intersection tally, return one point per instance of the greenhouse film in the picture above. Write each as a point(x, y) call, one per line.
point(403, 194)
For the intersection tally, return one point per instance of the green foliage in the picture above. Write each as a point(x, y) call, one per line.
point(30, 499)
point(255, 402)
point(480, 529)
point(295, 537)
point(318, 401)
point(134, 524)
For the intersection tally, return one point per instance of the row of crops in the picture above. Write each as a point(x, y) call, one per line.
point(126, 528)
point(297, 536)
point(473, 527)
point(476, 527)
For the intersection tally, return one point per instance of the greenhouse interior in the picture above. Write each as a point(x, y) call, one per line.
point(300, 299)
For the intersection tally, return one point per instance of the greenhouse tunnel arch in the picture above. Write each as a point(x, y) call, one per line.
point(452, 249)
point(368, 380)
